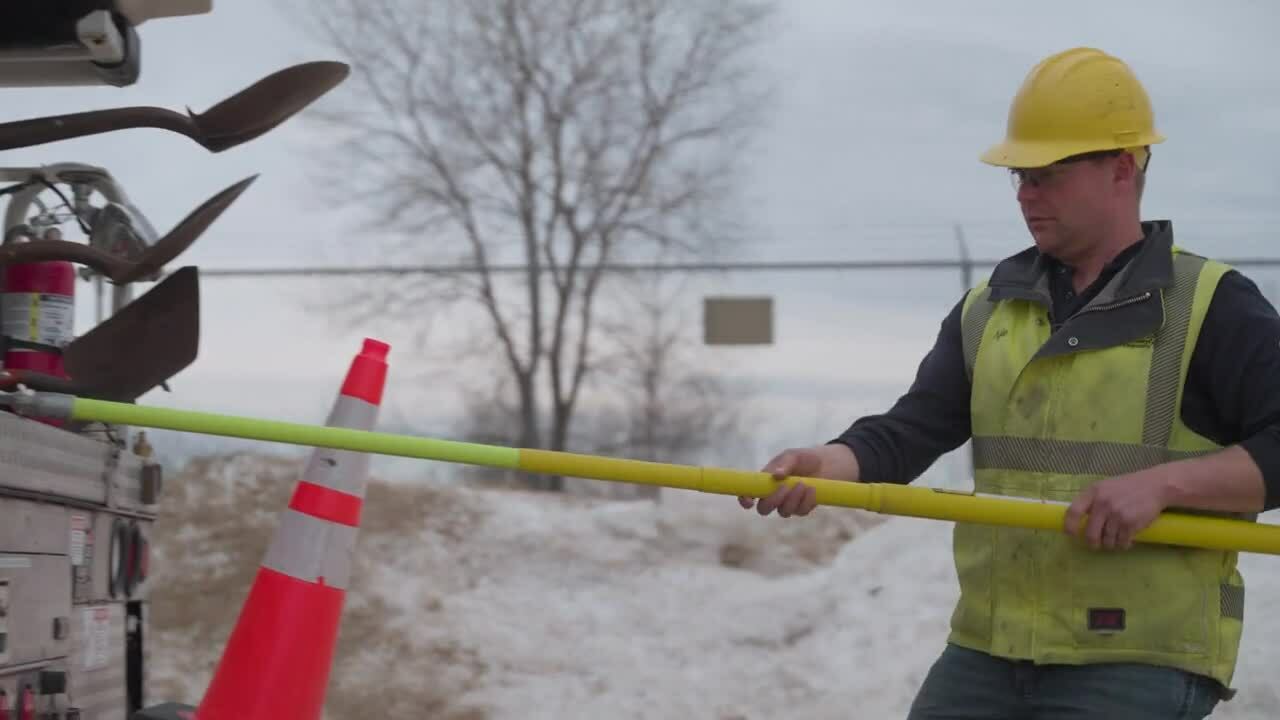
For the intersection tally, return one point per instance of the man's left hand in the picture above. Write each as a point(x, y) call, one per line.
point(1119, 508)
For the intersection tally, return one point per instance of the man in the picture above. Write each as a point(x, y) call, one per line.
point(1104, 367)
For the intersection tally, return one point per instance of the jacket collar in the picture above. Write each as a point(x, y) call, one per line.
point(1026, 275)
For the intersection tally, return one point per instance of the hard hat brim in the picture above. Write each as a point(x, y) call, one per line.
point(1025, 154)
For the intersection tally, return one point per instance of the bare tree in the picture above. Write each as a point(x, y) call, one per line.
point(554, 136)
point(669, 404)
point(656, 396)
point(660, 398)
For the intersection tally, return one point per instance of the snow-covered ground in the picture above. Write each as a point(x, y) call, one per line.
point(487, 604)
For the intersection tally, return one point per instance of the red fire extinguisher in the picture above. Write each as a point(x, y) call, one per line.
point(37, 313)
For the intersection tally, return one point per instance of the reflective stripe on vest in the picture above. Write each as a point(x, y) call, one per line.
point(1070, 457)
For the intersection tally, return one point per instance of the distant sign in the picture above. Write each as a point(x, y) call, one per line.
point(737, 320)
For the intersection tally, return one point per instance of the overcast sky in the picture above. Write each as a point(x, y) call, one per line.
point(870, 151)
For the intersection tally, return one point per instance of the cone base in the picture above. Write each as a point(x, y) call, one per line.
point(277, 660)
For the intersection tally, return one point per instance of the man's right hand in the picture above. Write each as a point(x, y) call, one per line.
point(799, 499)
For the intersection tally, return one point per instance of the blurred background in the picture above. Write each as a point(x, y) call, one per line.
point(816, 158)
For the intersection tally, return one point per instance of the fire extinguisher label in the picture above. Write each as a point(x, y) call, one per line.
point(38, 317)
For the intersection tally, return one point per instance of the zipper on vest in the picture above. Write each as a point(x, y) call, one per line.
point(1056, 326)
point(1117, 304)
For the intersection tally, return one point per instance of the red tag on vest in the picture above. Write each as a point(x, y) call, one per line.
point(1106, 619)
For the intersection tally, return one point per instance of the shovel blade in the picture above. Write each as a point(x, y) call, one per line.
point(143, 345)
point(266, 104)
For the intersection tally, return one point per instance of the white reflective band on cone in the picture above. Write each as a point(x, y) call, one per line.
point(312, 550)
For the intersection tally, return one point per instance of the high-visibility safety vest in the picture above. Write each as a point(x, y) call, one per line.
point(1054, 411)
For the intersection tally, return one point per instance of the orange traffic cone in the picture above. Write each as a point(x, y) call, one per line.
point(277, 660)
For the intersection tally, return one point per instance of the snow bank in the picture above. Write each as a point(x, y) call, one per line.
point(475, 604)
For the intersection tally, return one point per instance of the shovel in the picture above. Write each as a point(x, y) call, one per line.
point(133, 351)
point(238, 119)
point(121, 270)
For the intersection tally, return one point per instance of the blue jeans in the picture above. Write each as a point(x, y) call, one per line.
point(965, 684)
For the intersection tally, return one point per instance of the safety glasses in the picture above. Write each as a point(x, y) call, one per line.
point(1048, 175)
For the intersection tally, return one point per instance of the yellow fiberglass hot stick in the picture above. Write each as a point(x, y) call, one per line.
point(1171, 528)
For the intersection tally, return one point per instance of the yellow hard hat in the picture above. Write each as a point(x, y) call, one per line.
point(1077, 101)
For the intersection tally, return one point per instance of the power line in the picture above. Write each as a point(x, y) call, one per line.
point(679, 267)
point(686, 267)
